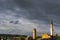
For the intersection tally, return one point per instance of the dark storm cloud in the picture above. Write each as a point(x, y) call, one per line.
point(33, 9)
point(14, 22)
point(40, 9)
point(29, 13)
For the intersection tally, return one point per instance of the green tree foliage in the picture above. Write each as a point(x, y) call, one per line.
point(21, 38)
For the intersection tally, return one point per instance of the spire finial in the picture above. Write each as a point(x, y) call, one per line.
point(51, 20)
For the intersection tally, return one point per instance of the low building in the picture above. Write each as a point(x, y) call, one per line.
point(43, 36)
point(47, 37)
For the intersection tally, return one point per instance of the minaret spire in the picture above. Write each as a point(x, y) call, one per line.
point(34, 34)
point(51, 27)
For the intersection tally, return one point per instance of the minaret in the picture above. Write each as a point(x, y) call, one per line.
point(51, 27)
point(34, 34)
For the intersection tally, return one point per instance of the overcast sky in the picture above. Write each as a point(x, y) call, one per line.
point(21, 16)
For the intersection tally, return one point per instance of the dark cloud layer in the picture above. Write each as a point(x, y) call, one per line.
point(41, 9)
point(32, 12)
